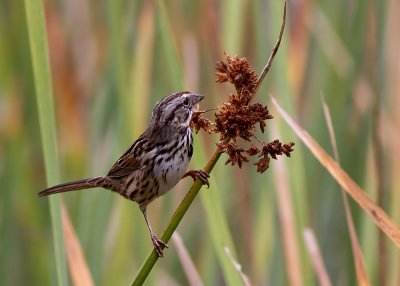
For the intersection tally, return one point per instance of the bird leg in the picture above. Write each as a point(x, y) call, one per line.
point(198, 174)
point(157, 243)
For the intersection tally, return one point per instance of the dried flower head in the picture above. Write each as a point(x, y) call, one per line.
point(272, 149)
point(238, 118)
point(238, 72)
point(236, 154)
point(199, 122)
point(234, 120)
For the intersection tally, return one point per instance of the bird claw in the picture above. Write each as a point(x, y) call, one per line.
point(199, 174)
point(158, 245)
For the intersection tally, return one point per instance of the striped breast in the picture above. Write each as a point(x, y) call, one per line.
point(172, 162)
point(163, 167)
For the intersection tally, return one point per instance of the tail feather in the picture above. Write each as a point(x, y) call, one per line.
point(72, 186)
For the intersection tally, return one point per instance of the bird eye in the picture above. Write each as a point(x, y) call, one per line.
point(186, 101)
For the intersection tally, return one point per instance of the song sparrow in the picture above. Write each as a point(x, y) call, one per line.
point(155, 162)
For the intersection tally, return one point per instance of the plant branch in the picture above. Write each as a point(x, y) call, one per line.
point(273, 52)
point(175, 220)
point(194, 190)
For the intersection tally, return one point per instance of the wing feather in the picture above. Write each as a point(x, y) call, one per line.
point(124, 166)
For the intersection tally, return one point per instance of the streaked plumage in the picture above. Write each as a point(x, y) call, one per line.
point(155, 162)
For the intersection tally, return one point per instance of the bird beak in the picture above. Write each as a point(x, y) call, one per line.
point(197, 98)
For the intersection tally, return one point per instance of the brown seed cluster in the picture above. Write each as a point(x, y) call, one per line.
point(238, 118)
point(234, 120)
point(269, 150)
point(238, 72)
point(199, 122)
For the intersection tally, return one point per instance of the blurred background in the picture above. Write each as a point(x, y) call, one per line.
point(111, 61)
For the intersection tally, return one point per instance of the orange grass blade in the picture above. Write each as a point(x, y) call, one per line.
point(288, 223)
point(78, 268)
point(361, 272)
point(372, 209)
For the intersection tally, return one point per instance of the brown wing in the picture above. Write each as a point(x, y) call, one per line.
point(124, 166)
point(130, 161)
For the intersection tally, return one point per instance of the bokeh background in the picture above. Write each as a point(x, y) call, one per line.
point(112, 60)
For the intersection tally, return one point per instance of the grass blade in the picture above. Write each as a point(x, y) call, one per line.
point(361, 271)
point(233, 25)
point(142, 69)
point(191, 272)
point(238, 267)
point(382, 220)
point(79, 270)
point(287, 223)
point(218, 226)
point(170, 47)
point(316, 257)
point(42, 77)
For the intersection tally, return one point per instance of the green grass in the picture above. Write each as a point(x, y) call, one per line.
point(111, 61)
point(44, 100)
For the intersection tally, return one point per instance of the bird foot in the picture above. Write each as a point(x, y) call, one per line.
point(158, 245)
point(198, 174)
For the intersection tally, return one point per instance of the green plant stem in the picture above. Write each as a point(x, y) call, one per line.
point(44, 95)
point(175, 220)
